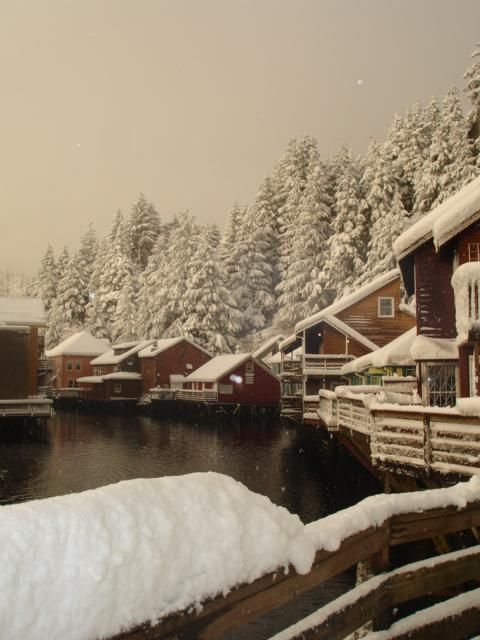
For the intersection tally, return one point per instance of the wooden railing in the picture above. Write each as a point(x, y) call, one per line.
point(42, 408)
point(328, 409)
point(196, 395)
point(291, 405)
point(161, 394)
point(371, 601)
point(310, 406)
point(324, 363)
point(292, 367)
point(352, 414)
point(44, 365)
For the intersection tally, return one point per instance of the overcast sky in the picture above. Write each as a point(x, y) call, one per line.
point(193, 101)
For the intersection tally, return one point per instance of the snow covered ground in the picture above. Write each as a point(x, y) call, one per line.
point(87, 565)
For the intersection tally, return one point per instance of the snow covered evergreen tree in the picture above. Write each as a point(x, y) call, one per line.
point(472, 76)
point(125, 318)
point(144, 229)
point(210, 313)
point(45, 285)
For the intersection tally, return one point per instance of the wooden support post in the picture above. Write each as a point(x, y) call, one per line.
point(380, 563)
point(427, 444)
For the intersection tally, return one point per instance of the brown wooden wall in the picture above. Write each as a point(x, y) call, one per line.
point(15, 364)
point(434, 293)
point(334, 342)
point(157, 370)
point(264, 390)
point(471, 234)
point(363, 316)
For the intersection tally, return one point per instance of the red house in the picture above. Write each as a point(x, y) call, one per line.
point(71, 359)
point(170, 357)
point(439, 258)
point(238, 379)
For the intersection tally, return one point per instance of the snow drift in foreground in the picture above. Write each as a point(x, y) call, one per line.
point(88, 565)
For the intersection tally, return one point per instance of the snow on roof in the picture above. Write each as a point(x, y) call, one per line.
point(349, 300)
point(182, 540)
point(396, 352)
point(109, 357)
point(218, 367)
point(22, 311)
point(162, 344)
point(288, 342)
point(349, 331)
point(267, 347)
point(122, 375)
point(80, 344)
point(424, 348)
point(91, 379)
point(441, 224)
point(125, 345)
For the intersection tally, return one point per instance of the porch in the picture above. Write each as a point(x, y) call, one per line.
point(324, 364)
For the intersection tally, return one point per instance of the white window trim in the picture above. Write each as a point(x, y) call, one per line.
point(386, 315)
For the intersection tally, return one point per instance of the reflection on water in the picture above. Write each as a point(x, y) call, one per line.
point(294, 468)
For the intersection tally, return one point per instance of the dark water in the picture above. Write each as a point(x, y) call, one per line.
point(295, 468)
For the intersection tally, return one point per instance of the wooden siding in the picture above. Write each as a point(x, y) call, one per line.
point(264, 390)
point(15, 362)
point(434, 293)
point(63, 374)
point(156, 370)
point(107, 390)
point(363, 316)
point(471, 234)
point(335, 342)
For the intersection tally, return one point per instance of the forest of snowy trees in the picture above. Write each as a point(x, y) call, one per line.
point(316, 229)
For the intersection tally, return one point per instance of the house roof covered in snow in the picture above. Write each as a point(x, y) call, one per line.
point(396, 352)
point(349, 300)
point(122, 375)
point(28, 312)
point(268, 348)
point(221, 366)
point(80, 344)
point(444, 222)
point(288, 344)
point(161, 345)
point(109, 356)
point(344, 328)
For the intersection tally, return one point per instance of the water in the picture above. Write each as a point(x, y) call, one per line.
point(295, 468)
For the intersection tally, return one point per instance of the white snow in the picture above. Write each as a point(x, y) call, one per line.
point(396, 352)
point(349, 300)
point(22, 311)
point(449, 218)
point(122, 375)
point(91, 379)
point(161, 345)
point(109, 357)
point(465, 281)
point(425, 348)
point(469, 406)
point(220, 366)
point(289, 340)
point(89, 565)
point(81, 343)
point(268, 347)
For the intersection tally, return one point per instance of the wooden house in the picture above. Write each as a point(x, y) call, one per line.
point(116, 374)
point(71, 359)
point(234, 379)
point(353, 326)
point(21, 319)
point(439, 258)
point(164, 360)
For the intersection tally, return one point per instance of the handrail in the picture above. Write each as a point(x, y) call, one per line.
point(221, 615)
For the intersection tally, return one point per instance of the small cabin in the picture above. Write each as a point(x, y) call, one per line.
point(238, 379)
point(164, 360)
point(22, 323)
point(71, 359)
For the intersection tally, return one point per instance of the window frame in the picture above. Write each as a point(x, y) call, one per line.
point(391, 299)
point(474, 248)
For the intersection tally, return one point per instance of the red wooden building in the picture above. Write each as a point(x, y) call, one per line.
point(71, 359)
point(234, 379)
point(22, 322)
point(439, 258)
point(163, 361)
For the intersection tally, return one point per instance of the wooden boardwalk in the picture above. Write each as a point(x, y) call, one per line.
point(370, 602)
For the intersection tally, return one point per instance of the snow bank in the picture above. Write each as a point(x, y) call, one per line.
point(424, 348)
point(88, 565)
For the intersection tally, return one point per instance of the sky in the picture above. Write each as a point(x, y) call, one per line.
point(192, 102)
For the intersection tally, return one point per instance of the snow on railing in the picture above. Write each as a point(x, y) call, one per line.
point(198, 395)
point(466, 287)
point(325, 363)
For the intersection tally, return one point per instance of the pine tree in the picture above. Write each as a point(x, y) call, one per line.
point(45, 286)
point(472, 76)
point(125, 325)
point(144, 229)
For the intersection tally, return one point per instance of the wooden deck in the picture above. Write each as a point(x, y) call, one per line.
point(415, 439)
point(26, 408)
point(372, 601)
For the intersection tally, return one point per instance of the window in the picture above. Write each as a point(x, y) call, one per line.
point(69, 365)
point(71, 383)
point(474, 251)
point(385, 308)
point(78, 366)
point(249, 366)
point(117, 388)
point(439, 382)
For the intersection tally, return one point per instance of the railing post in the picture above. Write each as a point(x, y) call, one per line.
point(427, 443)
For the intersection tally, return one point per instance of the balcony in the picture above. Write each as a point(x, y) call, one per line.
point(291, 368)
point(324, 364)
point(466, 287)
point(196, 395)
